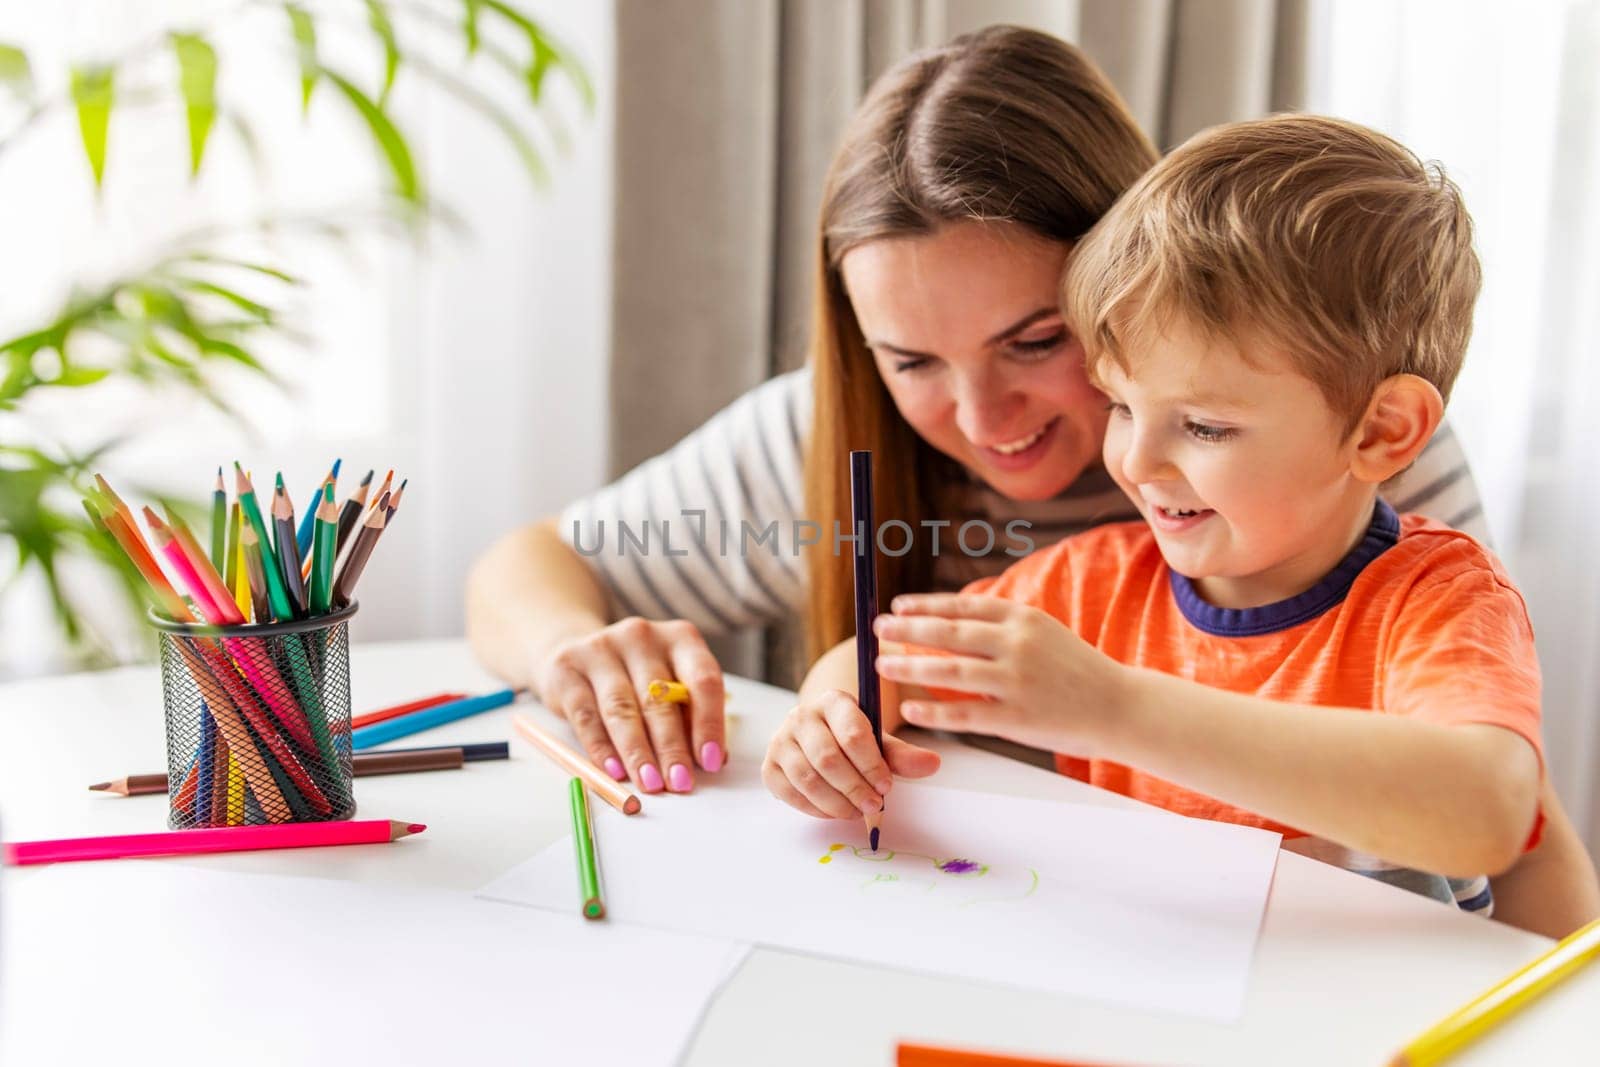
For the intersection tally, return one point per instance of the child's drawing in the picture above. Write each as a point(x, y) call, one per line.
point(958, 881)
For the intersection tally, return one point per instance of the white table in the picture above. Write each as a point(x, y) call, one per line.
point(1346, 970)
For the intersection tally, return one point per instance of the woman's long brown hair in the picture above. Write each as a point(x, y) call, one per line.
point(1002, 125)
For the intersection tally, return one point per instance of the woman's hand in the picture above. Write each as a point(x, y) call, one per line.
point(824, 760)
point(600, 684)
point(1042, 684)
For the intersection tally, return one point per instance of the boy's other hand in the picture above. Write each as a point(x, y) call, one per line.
point(1041, 684)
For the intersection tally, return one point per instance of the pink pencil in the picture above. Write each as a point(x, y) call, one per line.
point(222, 839)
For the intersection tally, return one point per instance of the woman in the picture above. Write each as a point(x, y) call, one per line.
point(960, 184)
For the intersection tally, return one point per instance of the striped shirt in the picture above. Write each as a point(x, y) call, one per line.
point(712, 529)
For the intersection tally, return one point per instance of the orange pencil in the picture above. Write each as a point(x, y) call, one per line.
point(138, 554)
point(573, 763)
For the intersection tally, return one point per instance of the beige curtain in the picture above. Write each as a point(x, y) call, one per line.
point(727, 113)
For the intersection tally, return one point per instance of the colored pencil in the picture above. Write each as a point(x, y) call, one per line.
point(594, 906)
point(302, 540)
point(866, 590)
point(116, 501)
point(394, 501)
point(202, 566)
point(235, 812)
point(276, 594)
point(428, 718)
point(325, 546)
point(573, 763)
point(287, 547)
point(366, 765)
point(383, 714)
point(165, 596)
point(221, 839)
point(1508, 996)
point(351, 512)
point(344, 586)
point(167, 543)
point(219, 524)
point(907, 1054)
point(380, 499)
point(254, 568)
point(234, 576)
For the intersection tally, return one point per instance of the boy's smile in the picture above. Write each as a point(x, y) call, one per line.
point(1240, 466)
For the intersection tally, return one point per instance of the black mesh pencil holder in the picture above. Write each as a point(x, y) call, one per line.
point(258, 721)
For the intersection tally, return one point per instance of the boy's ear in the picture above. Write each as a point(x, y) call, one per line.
point(1399, 421)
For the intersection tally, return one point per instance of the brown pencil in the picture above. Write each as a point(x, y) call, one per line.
point(351, 512)
point(360, 551)
point(364, 764)
point(394, 501)
point(573, 763)
point(383, 491)
point(255, 570)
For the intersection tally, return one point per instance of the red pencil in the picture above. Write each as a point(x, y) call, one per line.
point(907, 1054)
point(221, 839)
point(384, 714)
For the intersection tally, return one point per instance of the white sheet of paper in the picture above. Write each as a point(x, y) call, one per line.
point(1142, 908)
point(154, 963)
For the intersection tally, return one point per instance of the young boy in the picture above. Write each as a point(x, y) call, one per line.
point(1276, 313)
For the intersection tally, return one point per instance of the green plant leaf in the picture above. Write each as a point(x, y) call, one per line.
point(378, 16)
point(243, 264)
point(75, 377)
point(305, 43)
point(389, 140)
point(254, 309)
point(197, 79)
point(469, 23)
point(545, 55)
point(92, 94)
point(15, 72)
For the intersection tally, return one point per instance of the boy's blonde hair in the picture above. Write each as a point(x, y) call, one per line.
point(1319, 235)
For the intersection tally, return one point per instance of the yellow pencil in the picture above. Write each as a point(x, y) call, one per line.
point(668, 692)
point(1471, 1021)
point(235, 792)
point(241, 576)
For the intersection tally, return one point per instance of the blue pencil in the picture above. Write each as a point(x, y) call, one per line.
point(302, 537)
point(427, 718)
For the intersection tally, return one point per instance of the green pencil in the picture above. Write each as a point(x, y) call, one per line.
point(230, 577)
point(277, 595)
point(583, 836)
point(325, 543)
point(219, 524)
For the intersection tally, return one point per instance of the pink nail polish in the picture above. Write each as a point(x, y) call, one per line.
point(650, 778)
point(615, 769)
point(711, 757)
point(679, 778)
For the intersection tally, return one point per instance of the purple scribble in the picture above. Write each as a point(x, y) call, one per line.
point(959, 866)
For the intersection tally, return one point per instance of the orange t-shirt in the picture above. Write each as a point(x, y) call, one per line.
point(1418, 620)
